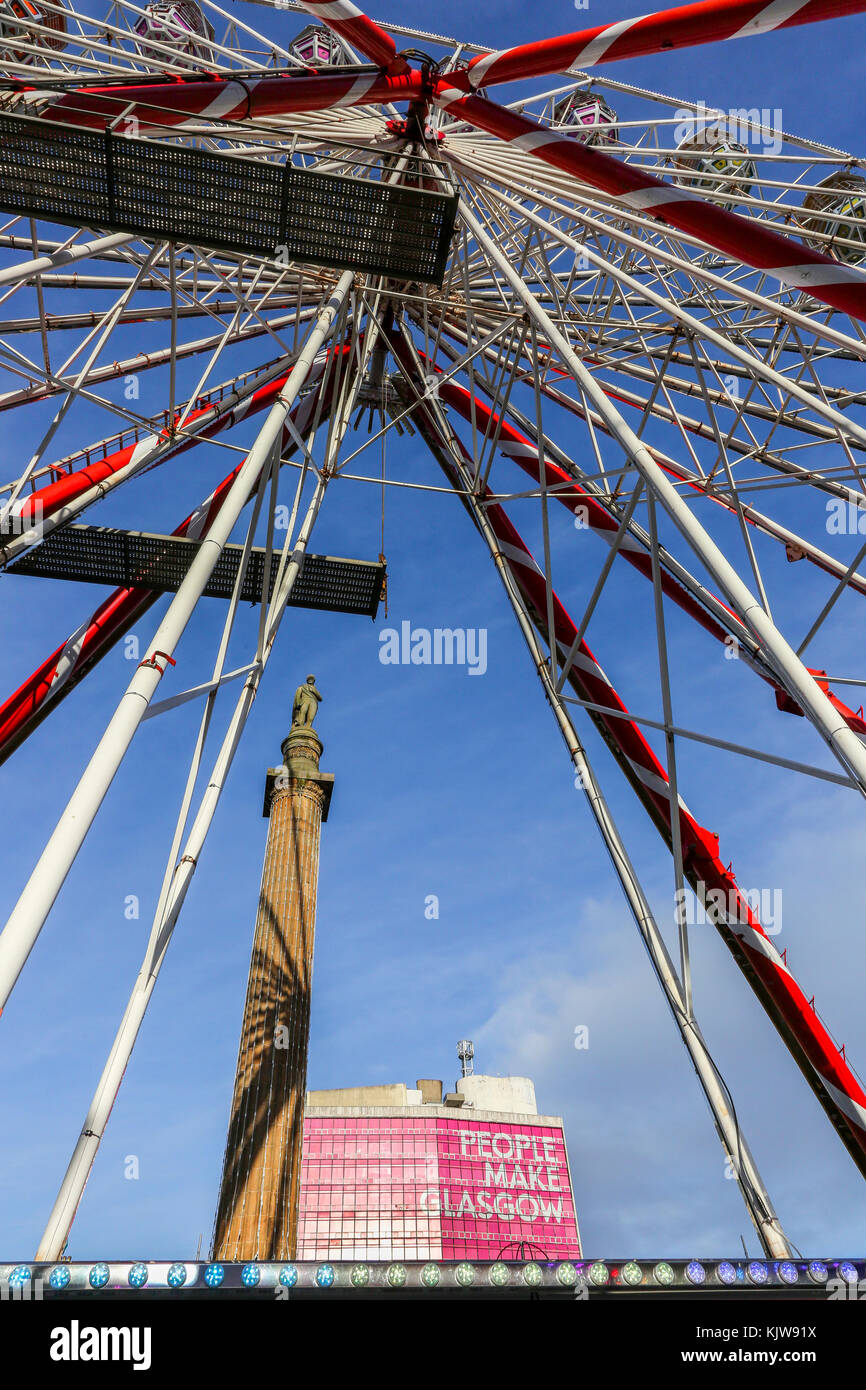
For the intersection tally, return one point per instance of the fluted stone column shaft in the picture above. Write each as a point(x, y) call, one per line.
point(257, 1214)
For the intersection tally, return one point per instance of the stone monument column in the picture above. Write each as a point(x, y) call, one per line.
point(257, 1213)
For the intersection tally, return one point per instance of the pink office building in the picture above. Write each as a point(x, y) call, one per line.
point(400, 1173)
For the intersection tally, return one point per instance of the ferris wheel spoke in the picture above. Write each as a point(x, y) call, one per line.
point(187, 288)
point(106, 323)
point(784, 250)
point(796, 679)
point(503, 185)
point(162, 55)
point(824, 480)
point(842, 426)
point(672, 775)
point(569, 486)
point(245, 303)
point(448, 453)
point(797, 546)
point(725, 463)
point(560, 476)
point(239, 25)
point(86, 64)
point(640, 293)
point(179, 871)
point(141, 362)
point(77, 281)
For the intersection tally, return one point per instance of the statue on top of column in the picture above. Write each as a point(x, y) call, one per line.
point(306, 704)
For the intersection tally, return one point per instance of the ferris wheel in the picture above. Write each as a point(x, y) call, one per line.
point(343, 229)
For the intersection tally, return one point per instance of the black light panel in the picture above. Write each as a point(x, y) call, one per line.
point(96, 179)
point(136, 559)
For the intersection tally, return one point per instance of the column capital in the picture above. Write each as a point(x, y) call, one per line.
point(301, 752)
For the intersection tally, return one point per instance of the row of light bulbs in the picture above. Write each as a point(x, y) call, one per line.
point(599, 1274)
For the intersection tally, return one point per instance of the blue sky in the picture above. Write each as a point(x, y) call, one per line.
point(451, 785)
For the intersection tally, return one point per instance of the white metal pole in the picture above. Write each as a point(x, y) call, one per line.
point(751, 1184)
point(78, 1171)
point(790, 670)
point(63, 1212)
point(28, 916)
point(25, 269)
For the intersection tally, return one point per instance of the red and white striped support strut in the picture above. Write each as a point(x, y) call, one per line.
point(76, 657)
point(158, 106)
point(766, 970)
point(794, 1015)
point(360, 31)
point(746, 239)
point(683, 27)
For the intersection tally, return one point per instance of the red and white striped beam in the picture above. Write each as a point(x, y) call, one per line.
point(55, 677)
point(190, 101)
point(823, 1064)
point(793, 1013)
point(711, 21)
point(745, 239)
point(359, 30)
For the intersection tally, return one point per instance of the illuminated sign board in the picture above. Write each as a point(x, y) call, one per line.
point(414, 1186)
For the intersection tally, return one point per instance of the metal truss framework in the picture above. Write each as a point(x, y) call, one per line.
point(656, 342)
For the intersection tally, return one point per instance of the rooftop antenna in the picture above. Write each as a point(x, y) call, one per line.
point(466, 1052)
